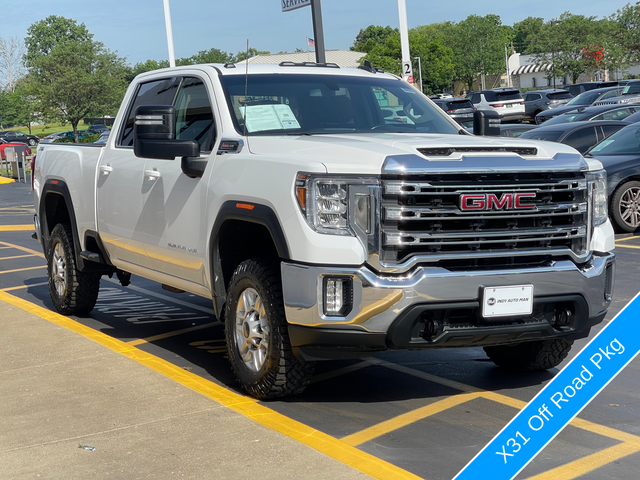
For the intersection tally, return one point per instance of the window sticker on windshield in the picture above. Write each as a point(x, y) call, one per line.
point(270, 117)
point(408, 90)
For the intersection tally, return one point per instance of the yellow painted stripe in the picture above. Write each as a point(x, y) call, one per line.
point(249, 407)
point(5, 180)
point(22, 249)
point(589, 463)
point(23, 269)
point(626, 238)
point(22, 287)
point(162, 336)
point(16, 228)
point(626, 246)
point(407, 418)
point(16, 256)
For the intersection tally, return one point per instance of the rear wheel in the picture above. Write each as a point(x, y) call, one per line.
point(257, 337)
point(72, 292)
point(625, 207)
point(31, 142)
point(530, 356)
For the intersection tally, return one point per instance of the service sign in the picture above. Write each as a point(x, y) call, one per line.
point(288, 5)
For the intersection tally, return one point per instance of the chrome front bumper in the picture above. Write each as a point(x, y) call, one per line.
point(381, 301)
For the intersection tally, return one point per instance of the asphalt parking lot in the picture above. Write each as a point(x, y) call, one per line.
point(396, 415)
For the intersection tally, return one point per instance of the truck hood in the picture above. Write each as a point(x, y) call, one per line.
point(366, 153)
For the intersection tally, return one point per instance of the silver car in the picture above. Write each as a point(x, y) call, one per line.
point(541, 100)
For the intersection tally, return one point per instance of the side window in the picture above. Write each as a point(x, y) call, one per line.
point(158, 92)
point(582, 140)
point(475, 98)
point(609, 130)
point(194, 118)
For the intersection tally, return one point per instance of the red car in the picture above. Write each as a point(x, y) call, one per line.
point(4, 143)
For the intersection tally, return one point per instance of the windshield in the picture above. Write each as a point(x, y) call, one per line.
point(586, 98)
point(623, 142)
point(290, 104)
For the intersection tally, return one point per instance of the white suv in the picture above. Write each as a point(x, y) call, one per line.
point(507, 102)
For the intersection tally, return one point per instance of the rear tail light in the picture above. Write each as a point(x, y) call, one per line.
point(496, 105)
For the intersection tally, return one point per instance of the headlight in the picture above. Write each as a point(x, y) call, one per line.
point(329, 205)
point(598, 188)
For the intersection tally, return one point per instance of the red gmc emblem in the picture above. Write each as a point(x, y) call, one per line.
point(490, 201)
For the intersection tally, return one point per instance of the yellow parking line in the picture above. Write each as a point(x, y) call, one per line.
point(627, 246)
point(249, 407)
point(589, 463)
point(627, 238)
point(22, 249)
point(17, 256)
point(5, 180)
point(23, 269)
point(407, 418)
point(16, 228)
point(21, 287)
point(162, 336)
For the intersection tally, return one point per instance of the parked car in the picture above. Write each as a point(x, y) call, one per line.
point(56, 137)
point(583, 100)
point(460, 109)
point(541, 100)
point(104, 136)
point(578, 88)
point(579, 135)
point(600, 112)
point(630, 93)
point(5, 143)
point(508, 102)
point(14, 136)
point(620, 156)
point(97, 128)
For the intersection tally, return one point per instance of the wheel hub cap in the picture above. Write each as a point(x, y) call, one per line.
point(630, 207)
point(58, 270)
point(251, 330)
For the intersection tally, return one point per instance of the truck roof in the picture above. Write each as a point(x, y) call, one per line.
point(284, 67)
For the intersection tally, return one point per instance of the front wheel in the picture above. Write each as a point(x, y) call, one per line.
point(530, 356)
point(31, 142)
point(625, 207)
point(72, 292)
point(257, 337)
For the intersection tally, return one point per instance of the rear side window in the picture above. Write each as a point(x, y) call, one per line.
point(530, 97)
point(158, 92)
point(631, 88)
point(582, 140)
point(475, 98)
point(560, 96)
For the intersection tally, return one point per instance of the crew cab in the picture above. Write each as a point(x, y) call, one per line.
point(322, 228)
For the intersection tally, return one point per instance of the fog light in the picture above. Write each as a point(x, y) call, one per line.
point(337, 296)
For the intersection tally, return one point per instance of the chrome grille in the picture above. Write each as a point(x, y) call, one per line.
point(422, 216)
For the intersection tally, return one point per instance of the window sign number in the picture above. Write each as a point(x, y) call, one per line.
point(407, 69)
point(407, 72)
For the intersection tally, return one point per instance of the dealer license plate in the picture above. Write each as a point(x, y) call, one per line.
point(508, 105)
point(507, 301)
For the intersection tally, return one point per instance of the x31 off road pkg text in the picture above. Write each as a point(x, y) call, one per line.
point(322, 227)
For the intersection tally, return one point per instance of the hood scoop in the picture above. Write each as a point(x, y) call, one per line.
point(447, 151)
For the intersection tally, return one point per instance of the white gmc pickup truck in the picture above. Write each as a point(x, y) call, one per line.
point(329, 213)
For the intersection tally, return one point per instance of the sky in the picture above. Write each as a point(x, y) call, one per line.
point(136, 28)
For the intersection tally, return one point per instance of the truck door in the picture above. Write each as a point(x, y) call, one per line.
point(122, 185)
point(175, 225)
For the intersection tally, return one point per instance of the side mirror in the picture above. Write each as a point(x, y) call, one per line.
point(486, 123)
point(154, 134)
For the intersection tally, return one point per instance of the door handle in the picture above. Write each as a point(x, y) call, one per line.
point(106, 169)
point(152, 174)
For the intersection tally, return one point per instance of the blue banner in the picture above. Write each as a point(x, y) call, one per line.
point(560, 400)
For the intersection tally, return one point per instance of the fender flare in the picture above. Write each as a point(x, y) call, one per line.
point(259, 214)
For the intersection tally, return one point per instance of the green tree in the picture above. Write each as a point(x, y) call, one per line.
point(563, 43)
point(213, 55)
point(253, 52)
point(370, 36)
point(46, 34)
point(147, 66)
point(479, 47)
point(525, 33)
point(79, 78)
point(621, 37)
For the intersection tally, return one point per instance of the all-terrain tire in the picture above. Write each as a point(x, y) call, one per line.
point(257, 337)
point(530, 356)
point(72, 292)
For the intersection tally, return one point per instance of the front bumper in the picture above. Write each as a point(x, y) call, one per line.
point(392, 312)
